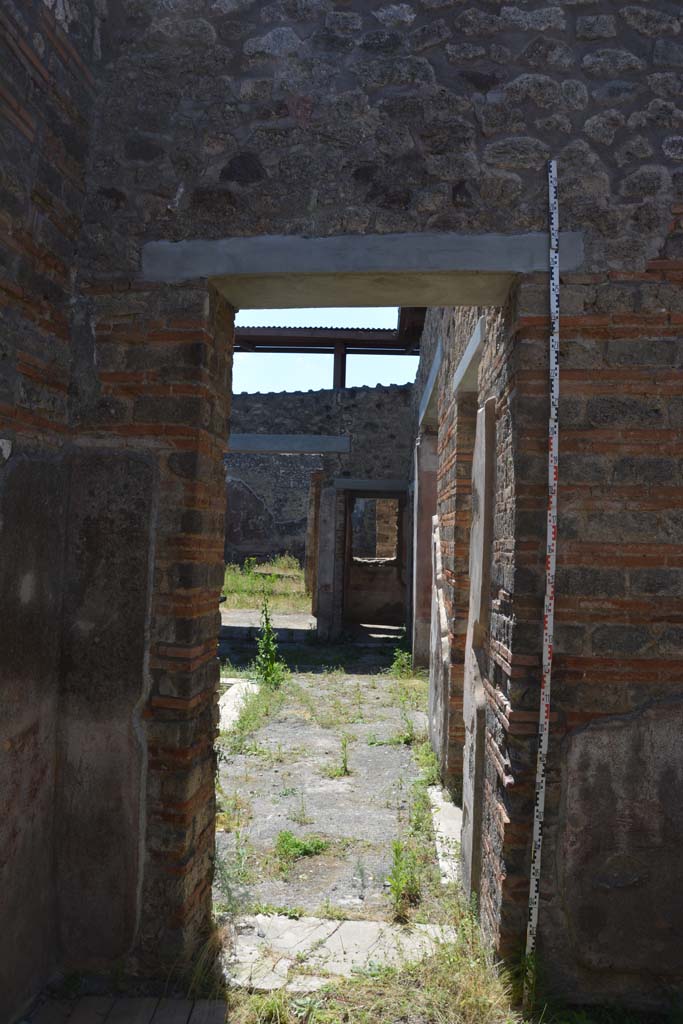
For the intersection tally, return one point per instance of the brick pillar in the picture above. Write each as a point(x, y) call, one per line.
point(163, 365)
point(312, 538)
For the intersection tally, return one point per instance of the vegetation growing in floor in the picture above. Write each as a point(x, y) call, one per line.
point(341, 769)
point(269, 669)
point(255, 709)
point(233, 812)
point(402, 664)
point(459, 984)
point(233, 870)
point(281, 580)
point(403, 880)
point(289, 848)
point(427, 762)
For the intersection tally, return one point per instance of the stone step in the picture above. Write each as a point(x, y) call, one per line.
point(276, 952)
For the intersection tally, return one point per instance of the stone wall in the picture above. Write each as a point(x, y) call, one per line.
point(375, 591)
point(268, 495)
point(377, 421)
point(113, 407)
point(48, 58)
point(311, 119)
point(267, 505)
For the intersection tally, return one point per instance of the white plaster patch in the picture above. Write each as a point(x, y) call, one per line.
point(5, 448)
point(27, 587)
point(447, 820)
point(232, 700)
point(63, 11)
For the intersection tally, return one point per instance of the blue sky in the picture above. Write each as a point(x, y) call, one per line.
point(274, 372)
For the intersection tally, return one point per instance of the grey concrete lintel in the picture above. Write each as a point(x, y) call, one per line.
point(416, 253)
point(426, 402)
point(294, 444)
point(465, 377)
point(347, 483)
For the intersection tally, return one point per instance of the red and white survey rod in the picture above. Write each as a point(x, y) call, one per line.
point(550, 562)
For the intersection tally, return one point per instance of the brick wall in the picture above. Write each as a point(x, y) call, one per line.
point(162, 387)
point(617, 679)
point(618, 673)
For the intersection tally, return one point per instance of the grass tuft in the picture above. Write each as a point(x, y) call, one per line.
point(289, 848)
point(281, 580)
point(402, 664)
point(403, 880)
point(427, 762)
point(341, 770)
point(255, 709)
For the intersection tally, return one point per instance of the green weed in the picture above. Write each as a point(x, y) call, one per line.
point(269, 669)
point(289, 848)
point(233, 811)
point(276, 910)
point(341, 770)
point(412, 692)
point(427, 762)
point(420, 822)
point(300, 815)
point(406, 736)
point(232, 871)
point(403, 880)
point(231, 671)
point(402, 664)
point(255, 709)
point(271, 1008)
point(331, 912)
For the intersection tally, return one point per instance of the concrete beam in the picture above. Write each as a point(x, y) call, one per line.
point(465, 376)
point(428, 399)
point(286, 444)
point(415, 269)
point(347, 483)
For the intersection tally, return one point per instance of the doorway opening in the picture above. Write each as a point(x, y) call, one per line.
point(375, 572)
point(306, 832)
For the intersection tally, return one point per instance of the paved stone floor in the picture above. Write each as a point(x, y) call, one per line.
point(251, 619)
point(326, 915)
point(280, 783)
point(273, 951)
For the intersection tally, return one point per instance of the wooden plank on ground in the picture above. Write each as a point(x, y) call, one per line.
point(92, 1009)
point(209, 1011)
point(133, 1011)
point(173, 1011)
point(54, 1011)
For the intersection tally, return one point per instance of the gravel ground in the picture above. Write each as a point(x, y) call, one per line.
point(280, 784)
